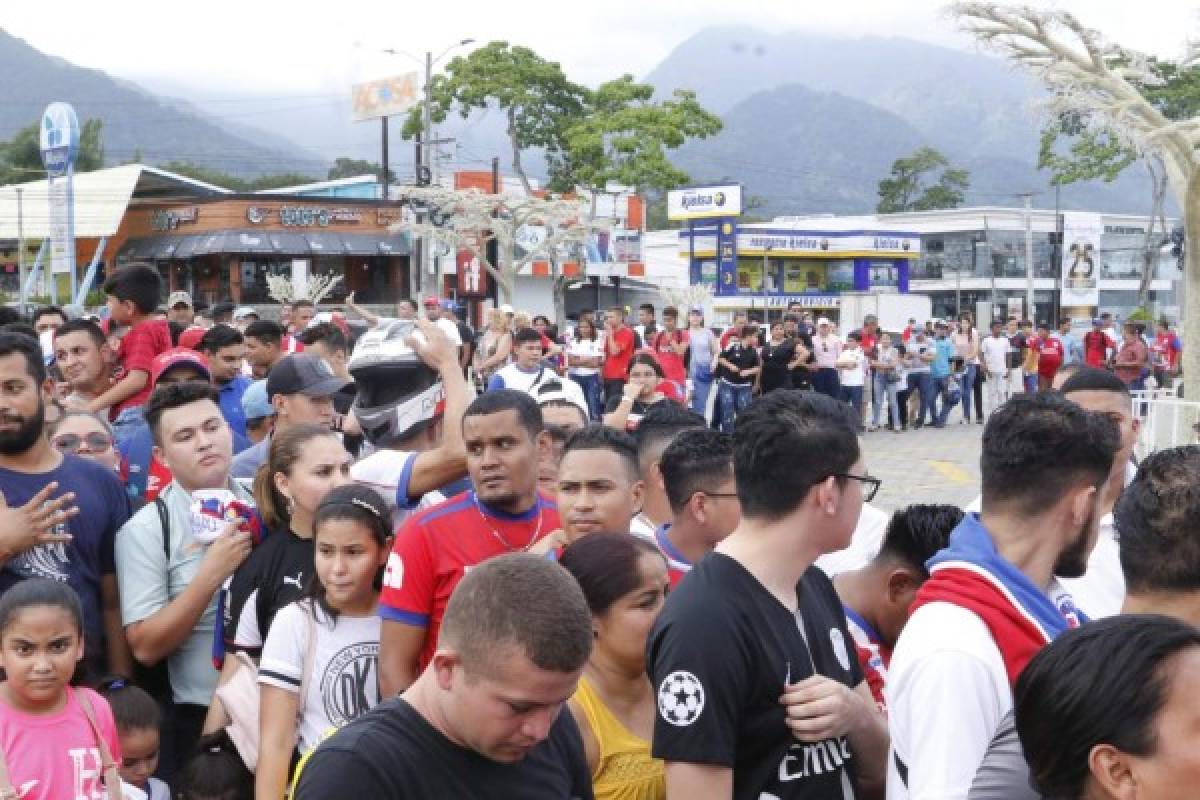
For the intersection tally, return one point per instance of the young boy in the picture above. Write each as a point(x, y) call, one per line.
point(133, 293)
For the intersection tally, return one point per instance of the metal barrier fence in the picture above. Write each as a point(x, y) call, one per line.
point(1166, 421)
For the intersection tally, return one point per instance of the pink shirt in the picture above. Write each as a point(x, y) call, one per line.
point(54, 756)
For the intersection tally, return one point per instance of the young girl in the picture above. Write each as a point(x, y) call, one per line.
point(138, 719)
point(56, 741)
point(216, 772)
point(352, 529)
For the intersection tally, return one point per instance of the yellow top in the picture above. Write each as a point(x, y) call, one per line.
point(625, 770)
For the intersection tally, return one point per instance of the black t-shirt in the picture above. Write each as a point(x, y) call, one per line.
point(636, 412)
point(775, 360)
point(393, 753)
point(719, 655)
point(742, 358)
point(801, 376)
point(273, 576)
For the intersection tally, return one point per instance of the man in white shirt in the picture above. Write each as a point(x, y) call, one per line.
point(827, 348)
point(1101, 590)
point(994, 351)
point(989, 604)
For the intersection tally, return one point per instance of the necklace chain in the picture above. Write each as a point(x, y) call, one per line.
point(500, 538)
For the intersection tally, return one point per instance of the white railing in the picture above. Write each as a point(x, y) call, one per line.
point(1166, 421)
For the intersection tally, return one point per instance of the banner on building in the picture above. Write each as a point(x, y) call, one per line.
point(1081, 258)
point(472, 275)
point(58, 141)
point(727, 266)
point(386, 97)
point(700, 202)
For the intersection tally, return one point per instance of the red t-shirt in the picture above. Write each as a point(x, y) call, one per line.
point(616, 365)
point(435, 548)
point(671, 362)
point(138, 348)
point(1166, 350)
point(1096, 345)
point(1050, 355)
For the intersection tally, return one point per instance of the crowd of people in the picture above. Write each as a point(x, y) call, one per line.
point(344, 555)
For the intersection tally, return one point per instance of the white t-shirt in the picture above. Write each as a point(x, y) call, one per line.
point(856, 376)
point(586, 348)
point(1101, 590)
point(344, 683)
point(947, 691)
point(388, 472)
point(995, 351)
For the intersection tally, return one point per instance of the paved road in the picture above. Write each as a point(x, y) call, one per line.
point(925, 466)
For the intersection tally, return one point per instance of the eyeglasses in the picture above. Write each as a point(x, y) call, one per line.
point(96, 442)
point(870, 484)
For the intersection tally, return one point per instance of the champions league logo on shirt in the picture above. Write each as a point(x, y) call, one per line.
point(681, 698)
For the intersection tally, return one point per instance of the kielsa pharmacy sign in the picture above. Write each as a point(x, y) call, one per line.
point(702, 202)
point(59, 138)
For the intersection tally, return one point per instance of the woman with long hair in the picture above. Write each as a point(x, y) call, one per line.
point(495, 345)
point(966, 346)
point(585, 357)
point(624, 579)
point(332, 632)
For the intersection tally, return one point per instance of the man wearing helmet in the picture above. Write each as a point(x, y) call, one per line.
point(410, 402)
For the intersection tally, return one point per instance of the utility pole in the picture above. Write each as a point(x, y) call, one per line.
point(383, 171)
point(430, 156)
point(1029, 310)
point(21, 249)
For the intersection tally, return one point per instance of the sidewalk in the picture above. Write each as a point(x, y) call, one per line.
point(929, 465)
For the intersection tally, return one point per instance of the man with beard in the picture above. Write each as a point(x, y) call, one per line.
point(85, 361)
point(69, 538)
point(989, 604)
point(503, 435)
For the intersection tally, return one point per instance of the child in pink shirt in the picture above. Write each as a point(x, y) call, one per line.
point(56, 741)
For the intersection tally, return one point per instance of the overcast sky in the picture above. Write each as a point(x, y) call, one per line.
point(304, 46)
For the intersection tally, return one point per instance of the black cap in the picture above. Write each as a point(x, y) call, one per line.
point(301, 373)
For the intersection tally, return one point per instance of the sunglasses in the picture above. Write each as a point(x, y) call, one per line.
point(96, 442)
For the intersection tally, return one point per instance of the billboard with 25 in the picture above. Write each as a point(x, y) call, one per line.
point(386, 97)
point(701, 202)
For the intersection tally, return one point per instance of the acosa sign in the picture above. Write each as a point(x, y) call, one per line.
point(700, 202)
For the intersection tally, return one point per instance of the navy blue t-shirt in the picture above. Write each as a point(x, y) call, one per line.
point(103, 509)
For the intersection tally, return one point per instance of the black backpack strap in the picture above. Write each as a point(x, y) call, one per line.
point(164, 520)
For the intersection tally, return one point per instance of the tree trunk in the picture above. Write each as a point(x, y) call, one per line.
point(560, 301)
point(1151, 245)
point(516, 156)
point(1191, 280)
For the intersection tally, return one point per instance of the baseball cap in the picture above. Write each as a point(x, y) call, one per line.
point(302, 373)
point(241, 312)
point(1097, 321)
point(176, 356)
point(448, 305)
point(569, 391)
point(190, 338)
point(506, 308)
point(824, 321)
point(255, 404)
point(179, 298)
point(431, 302)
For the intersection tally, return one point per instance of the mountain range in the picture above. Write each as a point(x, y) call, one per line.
point(812, 121)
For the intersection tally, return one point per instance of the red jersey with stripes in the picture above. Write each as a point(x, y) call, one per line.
point(677, 564)
point(435, 547)
point(873, 654)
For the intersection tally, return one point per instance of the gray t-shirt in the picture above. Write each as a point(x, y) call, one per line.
point(702, 343)
point(247, 462)
point(1004, 774)
point(149, 580)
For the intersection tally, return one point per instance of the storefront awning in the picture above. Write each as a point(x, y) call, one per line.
point(252, 242)
point(779, 301)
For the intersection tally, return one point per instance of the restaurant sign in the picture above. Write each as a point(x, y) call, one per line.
point(305, 216)
point(171, 218)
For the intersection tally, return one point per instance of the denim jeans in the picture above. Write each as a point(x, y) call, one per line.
point(940, 384)
point(700, 392)
point(970, 374)
point(733, 398)
point(127, 423)
point(923, 384)
point(854, 396)
point(826, 381)
point(883, 388)
point(590, 384)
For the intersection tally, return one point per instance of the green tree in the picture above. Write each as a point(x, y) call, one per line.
point(622, 136)
point(910, 185)
point(21, 156)
point(352, 168)
point(1098, 153)
point(533, 94)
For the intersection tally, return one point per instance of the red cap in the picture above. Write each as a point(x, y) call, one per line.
point(173, 358)
point(431, 301)
point(191, 337)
